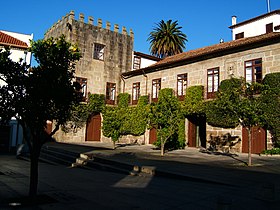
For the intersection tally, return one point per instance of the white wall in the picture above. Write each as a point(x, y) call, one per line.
point(17, 54)
point(146, 62)
point(257, 27)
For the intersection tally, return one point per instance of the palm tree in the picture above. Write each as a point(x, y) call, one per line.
point(167, 39)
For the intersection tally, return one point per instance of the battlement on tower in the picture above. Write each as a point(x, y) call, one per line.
point(70, 23)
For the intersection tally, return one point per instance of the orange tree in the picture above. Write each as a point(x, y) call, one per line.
point(38, 94)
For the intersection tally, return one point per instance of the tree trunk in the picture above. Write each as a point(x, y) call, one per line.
point(162, 150)
point(33, 183)
point(34, 158)
point(249, 146)
point(114, 145)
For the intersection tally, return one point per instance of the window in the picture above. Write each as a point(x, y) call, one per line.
point(182, 81)
point(212, 82)
point(156, 84)
point(98, 52)
point(239, 36)
point(82, 87)
point(253, 70)
point(269, 28)
point(136, 62)
point(135, 92)
point(110, 93)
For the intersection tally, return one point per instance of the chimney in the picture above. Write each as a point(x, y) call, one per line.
point(233, 20)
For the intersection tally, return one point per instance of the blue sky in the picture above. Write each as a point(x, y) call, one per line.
point(204, 22)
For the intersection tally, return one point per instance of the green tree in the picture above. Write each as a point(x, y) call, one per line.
point(136, 119)
point(114, 118)
point(193, 110)
point(167, 39)
point(270, 99)
point(165, 116)
point(34, 96)
point(239, 100)
point(111, 124)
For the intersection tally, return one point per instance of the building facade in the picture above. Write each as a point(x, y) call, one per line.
point(110, 66)
point(266, 23)
point(106, 54)
point(251, 58)
point(11, 135)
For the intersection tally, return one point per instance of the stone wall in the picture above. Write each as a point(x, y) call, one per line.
point(118, 52)
point(229, 65)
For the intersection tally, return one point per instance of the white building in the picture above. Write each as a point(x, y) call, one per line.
point(266, 23)
point(18, 44)
point(11, 135)
point(141, 60)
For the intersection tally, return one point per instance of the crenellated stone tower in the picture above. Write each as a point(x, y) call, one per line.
point(106, 53)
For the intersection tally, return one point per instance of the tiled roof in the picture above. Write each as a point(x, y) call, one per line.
point(8, 40)
point(210, 52)
point(255, 18)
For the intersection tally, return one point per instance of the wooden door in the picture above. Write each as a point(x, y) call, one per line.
point(152, 136)
point(93, 129)
point(192, 134)
point(258, 140)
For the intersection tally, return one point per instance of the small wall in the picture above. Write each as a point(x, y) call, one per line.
point(215, 133)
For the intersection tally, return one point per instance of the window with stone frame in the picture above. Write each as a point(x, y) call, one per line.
point(98, 51)
point(135, 93)
point(182, 81)
point(212, 82)
point(253, 70)
point(156, 85)
point(136, 62)
point(110, 93)
point(82, 87)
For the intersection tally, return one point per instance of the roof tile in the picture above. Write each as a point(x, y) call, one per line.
point(8, 40)
point(211, 51)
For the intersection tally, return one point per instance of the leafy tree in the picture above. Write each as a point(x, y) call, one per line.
point(239, 100)
point(136, 119)
point(167, 39)
point(193, 105)
point(111, 124)
point(270, 99)
point(165, 116)
point(34, 96)
point(217, 112)
point(194, 110)
point(114, 118)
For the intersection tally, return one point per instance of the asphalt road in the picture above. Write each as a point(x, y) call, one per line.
point(76, 188)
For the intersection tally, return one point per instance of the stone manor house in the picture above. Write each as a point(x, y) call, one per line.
point(110, 66)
